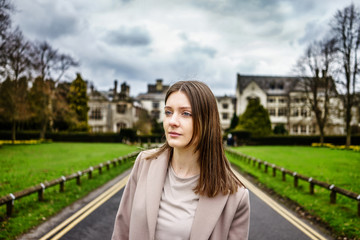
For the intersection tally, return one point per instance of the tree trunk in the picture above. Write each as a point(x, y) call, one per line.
point(13, 132)
point(348, 135)
point(43, 130)
point(322, 136)
point(348, 126)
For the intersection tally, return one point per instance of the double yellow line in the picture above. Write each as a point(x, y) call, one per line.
point(69, 223)
point(311, 233)
point(72, 221)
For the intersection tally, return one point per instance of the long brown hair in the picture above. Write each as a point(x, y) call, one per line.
point(215, 172)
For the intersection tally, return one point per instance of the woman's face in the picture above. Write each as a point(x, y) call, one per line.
point(178, 121)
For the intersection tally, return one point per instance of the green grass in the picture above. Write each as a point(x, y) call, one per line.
point(339, 167)
point(44, 162)
point(27, 165)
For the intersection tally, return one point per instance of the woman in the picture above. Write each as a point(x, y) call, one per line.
point(185, 189)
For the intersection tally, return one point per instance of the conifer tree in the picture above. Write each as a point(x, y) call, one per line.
point(255, 119)
point(78, 100)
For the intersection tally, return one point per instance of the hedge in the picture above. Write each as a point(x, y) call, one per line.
point(242, 138)
point(126, 135)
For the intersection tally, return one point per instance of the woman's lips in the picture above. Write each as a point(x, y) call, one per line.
point(174, 134)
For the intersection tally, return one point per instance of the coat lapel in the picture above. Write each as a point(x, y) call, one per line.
point(206, 216)
point(154, 186)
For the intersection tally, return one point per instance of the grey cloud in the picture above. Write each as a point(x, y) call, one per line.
point(195, 48)
point(192, 47)
point(255, 11)
point(47, 20)
point(135, 36)
point(313, 31)
point(57, 26)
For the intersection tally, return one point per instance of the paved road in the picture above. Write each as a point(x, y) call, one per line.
point(265, 222)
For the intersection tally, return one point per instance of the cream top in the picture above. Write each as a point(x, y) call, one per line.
point(177, 207)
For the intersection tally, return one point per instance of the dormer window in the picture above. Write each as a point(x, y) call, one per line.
point(272, 85)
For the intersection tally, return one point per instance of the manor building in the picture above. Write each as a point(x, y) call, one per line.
point(288, 104)
point(112, 110)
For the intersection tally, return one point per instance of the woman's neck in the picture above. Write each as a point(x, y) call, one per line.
point(185, 162)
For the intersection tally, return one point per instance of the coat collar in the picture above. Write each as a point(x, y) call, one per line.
point(207, 215)
point(204, 220)
point(154, 186)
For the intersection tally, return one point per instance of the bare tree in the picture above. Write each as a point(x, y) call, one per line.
point(346, 29)
point(5, 21)
point(14, 90)
point(319, 56)
point(49, 66)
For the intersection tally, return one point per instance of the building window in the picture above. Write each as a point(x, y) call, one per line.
point(282, 112)
point(120, 126)
point(155, 114)
point(295, 128)
point(303, 128)
point(225, 116)
point(282, 100)
point(155, 105)
point(295, 100)
point(303, 112)
point(97, 129)
point(272, 85)
point(121, 108)
point(271, 111)
point(225, 106)
point(271, 100)
point(295, 112)
point(280, 85)
point(96, 114)
point(312, 128)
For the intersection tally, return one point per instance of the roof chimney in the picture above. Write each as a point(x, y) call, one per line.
point(324, 73)
point(159, 86)
point(115, 89)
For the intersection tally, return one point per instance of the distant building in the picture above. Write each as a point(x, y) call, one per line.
point(287, 103)
point(153, 100)
point(226, 106)
point(112, 110)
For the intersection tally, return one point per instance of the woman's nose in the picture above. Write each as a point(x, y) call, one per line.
point(174, 120)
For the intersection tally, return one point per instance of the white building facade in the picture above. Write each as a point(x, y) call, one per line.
point(287, 104)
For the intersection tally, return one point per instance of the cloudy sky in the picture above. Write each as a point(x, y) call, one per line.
point(139, 41)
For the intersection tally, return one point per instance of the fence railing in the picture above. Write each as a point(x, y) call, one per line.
point(312, 182)
point(40, 188)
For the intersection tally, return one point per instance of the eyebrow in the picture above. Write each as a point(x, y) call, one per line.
point(179, 107)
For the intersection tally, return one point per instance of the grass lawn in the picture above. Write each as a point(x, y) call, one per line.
point(23, 166)
point(338, 167)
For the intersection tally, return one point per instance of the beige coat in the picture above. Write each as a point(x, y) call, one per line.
point(221, 217)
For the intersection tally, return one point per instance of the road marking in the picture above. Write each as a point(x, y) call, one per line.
point(311, 233)
point(72, 221)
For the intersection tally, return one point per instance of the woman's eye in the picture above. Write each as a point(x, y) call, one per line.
point(167, 112)
point(187, 114)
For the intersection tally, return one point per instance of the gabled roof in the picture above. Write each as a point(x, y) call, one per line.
point(272, 85)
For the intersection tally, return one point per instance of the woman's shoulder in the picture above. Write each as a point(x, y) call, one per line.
point(241, 194)
point(149, 153)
